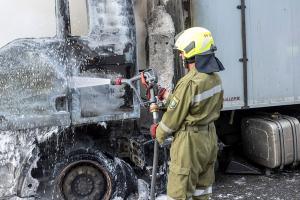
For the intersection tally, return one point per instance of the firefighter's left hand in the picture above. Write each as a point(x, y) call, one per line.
point(153, 130)
point(163, 93)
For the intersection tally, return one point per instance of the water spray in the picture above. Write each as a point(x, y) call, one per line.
point(148, 79)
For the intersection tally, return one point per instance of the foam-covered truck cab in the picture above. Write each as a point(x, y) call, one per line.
point(59, 142)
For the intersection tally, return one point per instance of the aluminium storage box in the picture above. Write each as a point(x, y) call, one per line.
point(272, 141)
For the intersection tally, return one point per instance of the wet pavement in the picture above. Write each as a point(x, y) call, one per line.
point(281, 186)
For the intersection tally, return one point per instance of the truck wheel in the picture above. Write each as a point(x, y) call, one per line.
point(79, 175)
point(93, 176)
point(84, 179)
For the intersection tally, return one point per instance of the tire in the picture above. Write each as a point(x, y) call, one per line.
point(116, 178)
point(87, 175)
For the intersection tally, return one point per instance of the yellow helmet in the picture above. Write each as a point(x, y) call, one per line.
point(195, 41)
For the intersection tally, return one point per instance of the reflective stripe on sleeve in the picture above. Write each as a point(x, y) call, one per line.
point(209, 93)
point(200, 192)
point(166, 128)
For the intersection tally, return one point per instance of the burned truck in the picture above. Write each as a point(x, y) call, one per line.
point(63, 142)
point(58, 141)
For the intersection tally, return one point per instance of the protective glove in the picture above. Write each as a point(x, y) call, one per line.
point(153, 130)
point(161, 93)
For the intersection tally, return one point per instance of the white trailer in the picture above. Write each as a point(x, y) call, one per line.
point(258, 43)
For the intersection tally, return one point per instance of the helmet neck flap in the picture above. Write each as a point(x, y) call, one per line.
point(207, 63)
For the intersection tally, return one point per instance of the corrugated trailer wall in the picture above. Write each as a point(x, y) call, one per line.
point(272, 41)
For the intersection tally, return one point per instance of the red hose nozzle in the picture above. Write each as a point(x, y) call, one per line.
point(117, 81)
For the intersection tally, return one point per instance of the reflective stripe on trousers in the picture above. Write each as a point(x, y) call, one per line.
point(198, 192)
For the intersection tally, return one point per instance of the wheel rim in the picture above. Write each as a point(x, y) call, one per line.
point(85, 179)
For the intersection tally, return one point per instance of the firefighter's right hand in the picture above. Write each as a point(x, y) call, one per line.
point(153, 130)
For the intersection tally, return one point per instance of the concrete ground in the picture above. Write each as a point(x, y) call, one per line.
point(283, 186)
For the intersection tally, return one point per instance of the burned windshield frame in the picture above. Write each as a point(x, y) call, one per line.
point(34, 19)
point(63, 18)
point(66, 13)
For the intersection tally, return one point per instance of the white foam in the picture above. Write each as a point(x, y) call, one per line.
point(80, 82)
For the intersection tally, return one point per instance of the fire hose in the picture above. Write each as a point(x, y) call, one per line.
point(148, 79)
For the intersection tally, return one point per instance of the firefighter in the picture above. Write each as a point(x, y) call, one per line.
point(192, 109)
